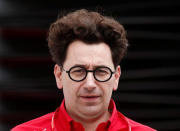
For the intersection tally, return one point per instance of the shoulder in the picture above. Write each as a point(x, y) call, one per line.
point(135, 126)
point(138, 126)
point(42, 123)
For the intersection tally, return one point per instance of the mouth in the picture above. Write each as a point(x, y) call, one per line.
point(90, 98)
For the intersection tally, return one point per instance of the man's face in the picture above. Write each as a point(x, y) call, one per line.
point(87, 98)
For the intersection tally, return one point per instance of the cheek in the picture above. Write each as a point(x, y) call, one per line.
point(107, 93)
point(114, 84)
point(69, 89)
point(107, 88)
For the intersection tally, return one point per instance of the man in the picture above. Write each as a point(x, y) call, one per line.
point(87, 48)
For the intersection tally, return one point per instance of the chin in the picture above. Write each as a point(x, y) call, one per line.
point(92, 110)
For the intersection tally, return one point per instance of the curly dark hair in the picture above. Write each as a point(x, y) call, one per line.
point(89, 27)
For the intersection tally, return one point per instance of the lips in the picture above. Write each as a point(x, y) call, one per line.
point(90, 97)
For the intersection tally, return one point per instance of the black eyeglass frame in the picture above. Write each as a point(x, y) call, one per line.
point(93, 71)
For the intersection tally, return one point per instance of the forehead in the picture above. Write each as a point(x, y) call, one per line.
point(95, 54)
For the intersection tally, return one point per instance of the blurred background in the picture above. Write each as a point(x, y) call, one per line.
point(149, 87)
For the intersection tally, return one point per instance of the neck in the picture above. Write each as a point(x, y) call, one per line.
point(90, 123)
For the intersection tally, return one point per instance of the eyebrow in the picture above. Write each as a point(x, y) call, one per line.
point(87, 66)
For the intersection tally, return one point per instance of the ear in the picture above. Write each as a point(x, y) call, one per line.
point(58, 76)
point(117, 76)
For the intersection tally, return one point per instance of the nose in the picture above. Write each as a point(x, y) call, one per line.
point(90, 82)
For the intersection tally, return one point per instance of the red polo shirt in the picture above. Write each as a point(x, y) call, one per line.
point(61, 121)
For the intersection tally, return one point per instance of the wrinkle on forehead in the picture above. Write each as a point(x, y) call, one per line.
point(90, 55)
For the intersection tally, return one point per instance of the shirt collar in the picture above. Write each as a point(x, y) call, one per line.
point(61, 120)
point(64, 112)
point(112, 110)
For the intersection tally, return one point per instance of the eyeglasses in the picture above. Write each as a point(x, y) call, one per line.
point(79, 73)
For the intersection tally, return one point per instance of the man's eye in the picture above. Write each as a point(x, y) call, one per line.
point(78, 71)
point(101, 72)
